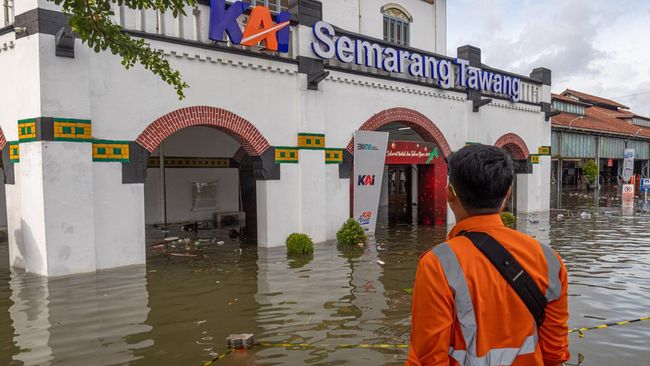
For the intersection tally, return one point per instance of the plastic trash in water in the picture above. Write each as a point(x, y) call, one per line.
point(585, 215)
point(380, 262)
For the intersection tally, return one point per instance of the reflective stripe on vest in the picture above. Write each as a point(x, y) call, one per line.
point(467, 317)
point(554, 285)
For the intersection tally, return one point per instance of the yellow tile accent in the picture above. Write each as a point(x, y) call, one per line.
point(544, 150)
point(27, 125)
point(67, 130)
point(333, 156)
point(110, 151)
point(534, 159)
point(311, 140)
point(14, 152)
point(286, 155)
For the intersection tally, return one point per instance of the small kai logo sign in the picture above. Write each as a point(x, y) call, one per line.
point(260, 27)
point(366, 180)
point(365, 217)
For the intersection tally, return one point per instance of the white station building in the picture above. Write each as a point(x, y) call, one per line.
point(264, 135)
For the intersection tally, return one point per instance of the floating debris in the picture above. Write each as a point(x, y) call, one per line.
point(560, 216)
point(585, 215)
point(172, 238)
point(533, 220)
point(221, 242)
point(379, 261)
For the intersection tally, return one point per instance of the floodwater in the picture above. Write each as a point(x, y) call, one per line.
point(179, 311)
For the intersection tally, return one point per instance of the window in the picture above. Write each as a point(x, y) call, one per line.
point(7, 12)
point(396, 26)
point(568, 107)
point(641, 121)
point(273, 5)
point(204, 195)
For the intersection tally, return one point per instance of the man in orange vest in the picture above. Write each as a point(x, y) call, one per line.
point(489, 295)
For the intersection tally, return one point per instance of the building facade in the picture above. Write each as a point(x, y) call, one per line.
point(588, 127)
point(265, 131)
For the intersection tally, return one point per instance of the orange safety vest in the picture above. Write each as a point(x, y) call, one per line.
point(465, 313)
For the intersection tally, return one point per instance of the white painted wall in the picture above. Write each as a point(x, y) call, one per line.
point(116, 206)
point(3, 202)
point(428, 29)
point(192, 142)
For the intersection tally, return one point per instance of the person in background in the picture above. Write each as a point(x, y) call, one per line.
point(465, 312)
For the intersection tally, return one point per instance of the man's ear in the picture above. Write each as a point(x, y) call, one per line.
point(503, 204)
point(451, 196)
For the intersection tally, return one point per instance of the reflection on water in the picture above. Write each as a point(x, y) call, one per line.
point(179, 311)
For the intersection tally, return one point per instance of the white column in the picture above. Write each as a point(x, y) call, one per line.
point(278, 207)
point(56, 190)
point(119, 218)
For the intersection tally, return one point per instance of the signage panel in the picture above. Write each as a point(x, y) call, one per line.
point(369, 156)
point(628, 165)
point(409, 152)
point(628, 195)
point(645, 184)
point(328, 45)
point(260, 29)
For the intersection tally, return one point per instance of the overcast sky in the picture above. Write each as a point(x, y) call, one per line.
point(595, 46)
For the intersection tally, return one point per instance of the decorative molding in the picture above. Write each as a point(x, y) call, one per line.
point(76, 130)
point(334, 156)
point(14, 151)
point(544, 150)
point(286, 154)
point(314, 141)
point(27, 130)
point(237, 127)
point(109, 150)
point(420, 123)
point(399, 7)
point(189, 162)
point(515, 145)
point(534, 158)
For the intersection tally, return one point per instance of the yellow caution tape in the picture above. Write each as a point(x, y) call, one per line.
point(403, 345)
point(603, 326)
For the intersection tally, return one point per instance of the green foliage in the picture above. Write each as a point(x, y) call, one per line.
point(351, 233)
point(508, 219)
point(299, 244)
point(590, 171)
point(91, 21)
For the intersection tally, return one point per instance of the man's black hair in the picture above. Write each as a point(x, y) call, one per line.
point(481, 176)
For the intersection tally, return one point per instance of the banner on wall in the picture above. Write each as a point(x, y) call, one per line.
point(409, 152)
point(628, 165)
point(369, 156)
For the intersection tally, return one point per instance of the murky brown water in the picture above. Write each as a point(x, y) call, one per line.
point(179, 312)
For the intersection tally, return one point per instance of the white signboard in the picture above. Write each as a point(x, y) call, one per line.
point(628, 165)
point(628, 195)
point(369, 157)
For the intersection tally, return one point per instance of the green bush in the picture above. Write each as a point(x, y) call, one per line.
point(351, 233)
point(299, 244)
point(508, 219)
point(590, 171)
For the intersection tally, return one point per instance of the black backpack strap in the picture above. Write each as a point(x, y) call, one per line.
point(513, 272)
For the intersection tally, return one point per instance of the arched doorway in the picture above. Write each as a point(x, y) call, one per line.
point(516, 147)
point(415, 174)
point(201, 173)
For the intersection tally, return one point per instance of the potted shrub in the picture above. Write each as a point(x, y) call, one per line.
point(590, 172)
point(351, 233)
point(508, 219)
point(299, 244)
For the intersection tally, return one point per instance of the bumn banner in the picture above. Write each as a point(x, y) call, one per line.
point(369, 157)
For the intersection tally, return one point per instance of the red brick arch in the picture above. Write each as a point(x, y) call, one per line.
point(515, 145)
point(416, 120)
point(3, 140)
point(240, 129)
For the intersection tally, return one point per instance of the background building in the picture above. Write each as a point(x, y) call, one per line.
point(589, 127)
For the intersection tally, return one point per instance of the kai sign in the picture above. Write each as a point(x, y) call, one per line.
point(328, 45)
point(261, 29)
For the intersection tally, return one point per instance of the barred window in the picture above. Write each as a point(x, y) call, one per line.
point(396, 26)
point(568, 107)
point(7, 12)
